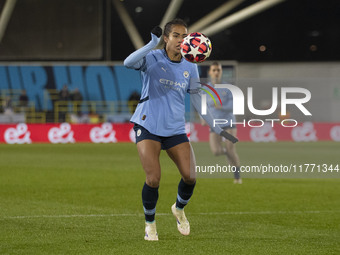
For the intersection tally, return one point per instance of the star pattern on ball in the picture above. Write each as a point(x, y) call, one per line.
point(196, 47)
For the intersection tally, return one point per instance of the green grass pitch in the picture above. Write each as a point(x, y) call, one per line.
point(86, 199)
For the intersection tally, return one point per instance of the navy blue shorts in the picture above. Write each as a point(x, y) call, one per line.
point(166, 142)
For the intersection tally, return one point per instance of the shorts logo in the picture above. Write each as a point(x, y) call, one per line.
point(186, 74)
point(139, 132)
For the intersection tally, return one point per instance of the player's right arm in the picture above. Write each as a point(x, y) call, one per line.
point(136, 59)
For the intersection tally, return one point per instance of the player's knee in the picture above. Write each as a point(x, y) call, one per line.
point(153, 181)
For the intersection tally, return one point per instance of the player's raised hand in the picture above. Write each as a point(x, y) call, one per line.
point(157, 31)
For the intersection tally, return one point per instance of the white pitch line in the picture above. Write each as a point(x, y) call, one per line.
point(162, 214)
point(73, 216)
point(266, 212)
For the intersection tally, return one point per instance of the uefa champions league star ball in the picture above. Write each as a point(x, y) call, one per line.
point(196, 47)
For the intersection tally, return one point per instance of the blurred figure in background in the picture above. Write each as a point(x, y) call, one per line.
point(224, 111)
point(77, 98)
point(7, 105)
point(23, 101)
point(64, 94)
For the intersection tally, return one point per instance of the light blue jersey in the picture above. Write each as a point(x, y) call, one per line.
point(162, 107)
point(226, 112)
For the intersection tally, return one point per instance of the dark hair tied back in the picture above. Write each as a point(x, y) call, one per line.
point(168, 26)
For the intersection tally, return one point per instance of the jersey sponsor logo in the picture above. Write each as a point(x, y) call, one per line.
point(61, 134)
point(19, 134)
point(172, 83)
point(103, 134)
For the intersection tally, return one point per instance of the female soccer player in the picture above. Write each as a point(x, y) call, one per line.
point(223, 112)
point(160, 120)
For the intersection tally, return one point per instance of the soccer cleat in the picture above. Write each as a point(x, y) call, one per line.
point(238, 181)
point(150, 231)
point(183, 225)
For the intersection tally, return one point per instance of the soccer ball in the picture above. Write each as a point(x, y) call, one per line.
point(196, 47)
